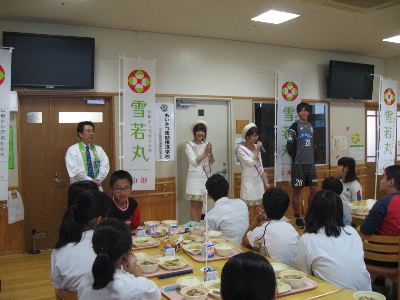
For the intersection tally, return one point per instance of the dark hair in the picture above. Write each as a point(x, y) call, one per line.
point(350, 163)
point(248, 276)
point(302, 105)
point(275, 202)
point(121, 174)
point(81, 126)
point(77, 187)
point(393, 172)
point(326, 210)
point(89, 205)
point(200, 127)
point(252, 131)
point(333, 184)
point(111, 239)
point(217, 186)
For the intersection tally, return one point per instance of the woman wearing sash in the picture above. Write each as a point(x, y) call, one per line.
point(254, 181)
point(200, 157)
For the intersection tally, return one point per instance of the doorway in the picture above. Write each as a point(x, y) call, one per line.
point(216, 113)
point(47, 127)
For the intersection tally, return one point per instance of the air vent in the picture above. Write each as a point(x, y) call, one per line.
point(363, 6)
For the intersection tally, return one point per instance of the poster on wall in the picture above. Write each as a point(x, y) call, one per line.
point(5, 87)
point(165, 135)
point(387, 124)
point(138, 149)
point(288, 96)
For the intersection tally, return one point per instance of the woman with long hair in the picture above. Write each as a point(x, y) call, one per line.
point(329, 249)
point(200, 157)
point(114, 272)
point(73, 255)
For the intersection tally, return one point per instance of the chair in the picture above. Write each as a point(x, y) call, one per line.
point(382, 248)
point(65, 295)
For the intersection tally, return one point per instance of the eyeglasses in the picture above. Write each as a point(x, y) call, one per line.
point(122, 189)
point(89, 131)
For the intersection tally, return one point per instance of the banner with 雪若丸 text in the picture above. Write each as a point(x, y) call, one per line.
point(5, 87)
point(165, 136)
point(138, 119)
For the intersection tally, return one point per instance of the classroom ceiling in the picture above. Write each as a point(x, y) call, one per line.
point(345, 26)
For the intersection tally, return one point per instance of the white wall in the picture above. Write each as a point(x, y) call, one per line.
point(392, 68)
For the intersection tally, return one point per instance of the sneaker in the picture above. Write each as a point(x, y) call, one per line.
point(299, 222)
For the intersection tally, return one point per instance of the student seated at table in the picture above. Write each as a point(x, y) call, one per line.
point(124, 207)
point(329, 249)
point(112, 243)
point(334, 184)
point(73, 255)
point(346, 170)
point(230, 216)
point(384, 217)
point(248, 276)
point(277, 237)
point(77, 187)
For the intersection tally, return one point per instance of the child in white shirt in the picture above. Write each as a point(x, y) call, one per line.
point(278, 237)
point(346, 170)
point(112, 244)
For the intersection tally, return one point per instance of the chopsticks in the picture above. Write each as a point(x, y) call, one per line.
point(322, 295)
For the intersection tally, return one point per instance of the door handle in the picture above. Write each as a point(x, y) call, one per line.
point(58, 180)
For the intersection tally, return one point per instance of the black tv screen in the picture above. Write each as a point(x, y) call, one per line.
point(348, 80)
point(50, 61)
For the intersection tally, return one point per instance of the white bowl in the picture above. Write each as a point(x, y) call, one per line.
point(278, 267)
point(169, 222)
point(223, 249)
point(214, 287)
point(147, 268)
point(194, 248)
point(214, 234)
point(147, 223)
point(294, 278)
point(201, 289)
point(282, 286)
point(189, 281)
point(179, 262)
point(197, 230)
point(368, 295)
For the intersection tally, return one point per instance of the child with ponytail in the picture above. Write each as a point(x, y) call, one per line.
point(112, 244)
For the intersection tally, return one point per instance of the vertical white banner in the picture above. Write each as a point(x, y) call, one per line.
point(288, 95)
point(387, 124)
point(139, 80)
point(5, 87)
point(165, 135)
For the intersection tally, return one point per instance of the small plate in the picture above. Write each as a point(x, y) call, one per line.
point(282, 286)
point(194, 248)
point(143, 241)
point(172, 262)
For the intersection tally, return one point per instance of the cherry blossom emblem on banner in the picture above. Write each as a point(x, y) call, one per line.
point(139, 81)
point(2, 75)
point(290, 91)
point(389, 96)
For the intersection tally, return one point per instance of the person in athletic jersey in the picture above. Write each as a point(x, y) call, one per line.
point(300, 146)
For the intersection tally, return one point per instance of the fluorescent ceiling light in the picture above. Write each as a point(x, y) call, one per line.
point(393, 39)
point(275, 17)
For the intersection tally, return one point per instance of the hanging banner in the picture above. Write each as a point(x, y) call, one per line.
point(5, 87)
point(165, 135)
point(288, 95)
point(387, 124)
point(138, 135)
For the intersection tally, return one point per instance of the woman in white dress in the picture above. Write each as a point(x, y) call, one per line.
point(254, 181)
point(200, 157)
point(115, 274)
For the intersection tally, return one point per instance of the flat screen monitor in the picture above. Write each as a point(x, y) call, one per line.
point(50, 61)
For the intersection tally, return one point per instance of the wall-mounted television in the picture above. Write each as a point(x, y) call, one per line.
point(348, 80)
point(50, 61)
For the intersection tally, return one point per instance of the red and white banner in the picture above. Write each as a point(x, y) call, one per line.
point(387, 124)
point(288, 95)
point(5, 88)
point(138, 151)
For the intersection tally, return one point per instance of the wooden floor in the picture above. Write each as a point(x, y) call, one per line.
point(26, 277)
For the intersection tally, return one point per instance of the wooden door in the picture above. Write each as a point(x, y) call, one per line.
point(43, 175)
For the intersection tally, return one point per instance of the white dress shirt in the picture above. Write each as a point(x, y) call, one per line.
point(339, 260)
point(252, 184)
point(279, 238)
point(76, 166)
point(125, 286)
point(231, 216)
point(72, 262)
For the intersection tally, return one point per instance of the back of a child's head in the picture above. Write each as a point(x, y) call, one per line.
point(217, 186)
point(350, 164)
point(77, 187)
point(332, 184)
point(111, 240)
point(276, 202)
